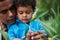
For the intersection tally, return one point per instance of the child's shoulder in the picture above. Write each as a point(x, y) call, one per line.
point(36, 21)
point(13, 26)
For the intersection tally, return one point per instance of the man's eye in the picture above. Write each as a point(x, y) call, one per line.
point(4, 11)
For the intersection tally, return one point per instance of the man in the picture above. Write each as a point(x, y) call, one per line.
point(7, 12)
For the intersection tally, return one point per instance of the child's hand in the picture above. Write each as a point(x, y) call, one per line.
point(28, 37)
point(36, 36)
point(16, 39)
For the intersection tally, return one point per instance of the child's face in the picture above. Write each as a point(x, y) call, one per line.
point(24, 13)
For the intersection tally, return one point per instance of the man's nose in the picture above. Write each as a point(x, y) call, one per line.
point(10, 13)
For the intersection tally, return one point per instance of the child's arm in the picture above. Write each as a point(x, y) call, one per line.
point(40, 33)
point(11, 34)
point(41, 28)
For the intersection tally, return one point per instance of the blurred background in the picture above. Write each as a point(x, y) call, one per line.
point(48, 11)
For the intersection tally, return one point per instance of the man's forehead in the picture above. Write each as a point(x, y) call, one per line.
point(5, 4)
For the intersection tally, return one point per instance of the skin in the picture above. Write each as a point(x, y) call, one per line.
point(25, 18)
point(7, 18)
point(36, 36)
point(7, 14)
point(24, 13)
point(16, 39)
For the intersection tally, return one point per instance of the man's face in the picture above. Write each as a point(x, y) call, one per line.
point(24, 13)
point(7, 16)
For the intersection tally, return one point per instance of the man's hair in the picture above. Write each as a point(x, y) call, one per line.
point(31, 3)
point(5, 4)
point(1, 0)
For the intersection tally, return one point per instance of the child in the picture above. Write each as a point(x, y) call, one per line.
point(25, 10)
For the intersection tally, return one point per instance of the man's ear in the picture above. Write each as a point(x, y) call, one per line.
point(5, 4)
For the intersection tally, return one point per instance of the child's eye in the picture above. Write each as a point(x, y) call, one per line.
point(28, 12)
point(20, 12)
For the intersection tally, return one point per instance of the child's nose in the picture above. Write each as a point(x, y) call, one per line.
point(24, 14)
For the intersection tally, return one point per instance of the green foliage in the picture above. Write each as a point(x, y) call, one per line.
point(52, 26)
point(5, 35)
point(44, 5)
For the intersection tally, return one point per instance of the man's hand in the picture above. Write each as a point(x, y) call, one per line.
point(2, 26)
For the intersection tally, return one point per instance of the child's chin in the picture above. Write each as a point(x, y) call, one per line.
point(25, 21)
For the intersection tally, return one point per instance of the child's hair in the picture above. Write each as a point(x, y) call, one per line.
point(31, 3)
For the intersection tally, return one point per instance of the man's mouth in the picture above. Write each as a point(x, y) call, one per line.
point(10, 19)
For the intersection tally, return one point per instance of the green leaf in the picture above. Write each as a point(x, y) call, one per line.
point(5, 35)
